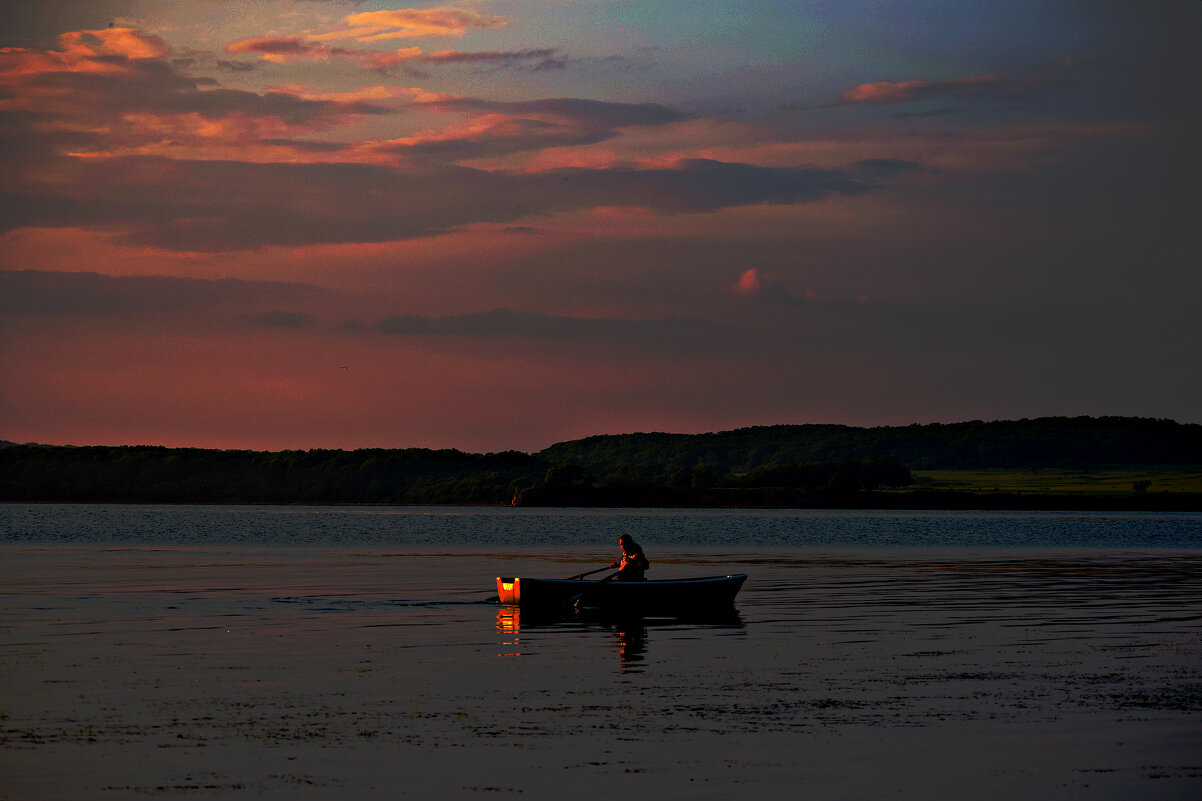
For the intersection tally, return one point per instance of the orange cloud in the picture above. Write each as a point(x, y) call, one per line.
point(112, 93)
point(282, 49)
point(124, 42)
point(488, 136)
point(386, 61)
point(103, 50)
point(374, 26)
point(378, 93)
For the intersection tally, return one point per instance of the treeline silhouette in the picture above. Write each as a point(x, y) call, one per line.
point(791, 466)
point(150, 474)
point(1065, 442)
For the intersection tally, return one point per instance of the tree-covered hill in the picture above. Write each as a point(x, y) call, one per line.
point(804, 465)
point(1041, 442)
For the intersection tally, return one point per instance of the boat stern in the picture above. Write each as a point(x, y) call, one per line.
point(509, 590)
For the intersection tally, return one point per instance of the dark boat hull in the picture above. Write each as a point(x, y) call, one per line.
point(662, 597)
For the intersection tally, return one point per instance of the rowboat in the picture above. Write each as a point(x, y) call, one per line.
point(685, 596)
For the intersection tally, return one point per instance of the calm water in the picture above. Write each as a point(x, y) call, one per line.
point(300, 652)
point(551, 528)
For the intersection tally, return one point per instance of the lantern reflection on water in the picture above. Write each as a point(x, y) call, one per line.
point(508, 622)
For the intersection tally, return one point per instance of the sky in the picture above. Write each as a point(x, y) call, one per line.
point(502, 224)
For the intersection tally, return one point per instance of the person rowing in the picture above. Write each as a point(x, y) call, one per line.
point(634, 564)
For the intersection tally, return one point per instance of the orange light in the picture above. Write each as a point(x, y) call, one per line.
point(508, 623)
point(508, 620)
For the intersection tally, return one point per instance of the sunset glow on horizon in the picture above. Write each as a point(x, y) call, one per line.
point(501, 224)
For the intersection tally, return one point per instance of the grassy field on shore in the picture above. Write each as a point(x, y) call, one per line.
point(1120, 481)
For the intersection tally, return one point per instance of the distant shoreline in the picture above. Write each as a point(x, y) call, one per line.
point(1063, 464)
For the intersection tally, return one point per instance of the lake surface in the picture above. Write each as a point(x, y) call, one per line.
point(598, 528)
point(301, 652)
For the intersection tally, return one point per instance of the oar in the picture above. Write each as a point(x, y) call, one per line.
point(574, 601)
point(589, 573)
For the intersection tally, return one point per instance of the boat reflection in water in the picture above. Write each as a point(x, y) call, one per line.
point(632, 645)
point(629, 632)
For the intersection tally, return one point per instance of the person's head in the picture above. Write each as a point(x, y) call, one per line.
point(626, 543)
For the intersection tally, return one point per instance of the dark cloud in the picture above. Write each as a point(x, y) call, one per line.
point(232, 302)
point(289, 47)
point(982, 86)
point(537, 55)
point(1052, 83)
point(154, 86)
point(307, 145)
point(593, 113)
point(408, 60)
point(285, 319)
point(218, 206)
point(505, 323)
point(931, 113)
point(503, 138)
point(703, 185)
point(282, 46)
point(45, 293)
point(534, 125)
point(236, 66)
point(646, 60)
point(873, 170)
point(549, 64)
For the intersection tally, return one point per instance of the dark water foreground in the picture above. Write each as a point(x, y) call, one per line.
point(367, 671)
